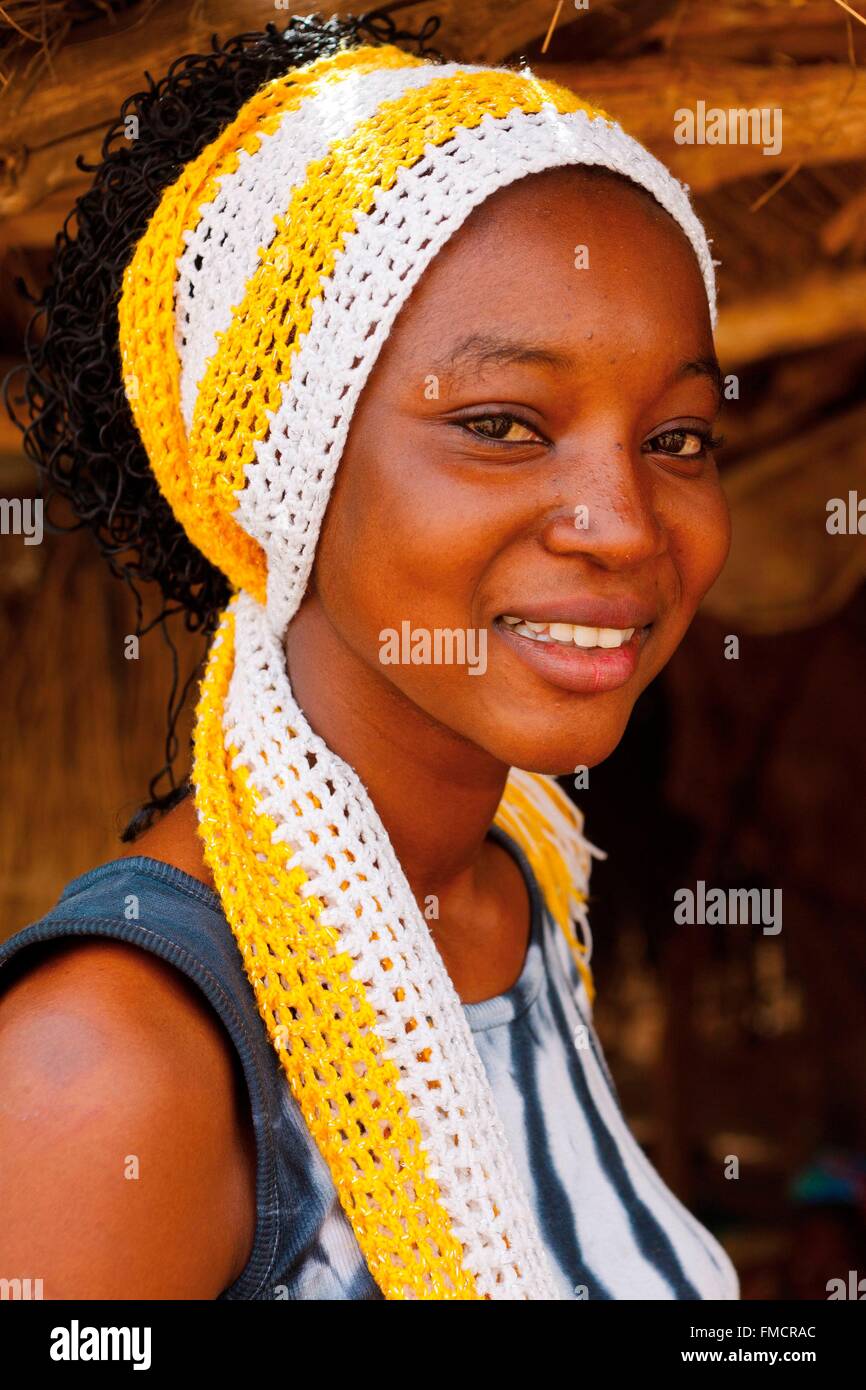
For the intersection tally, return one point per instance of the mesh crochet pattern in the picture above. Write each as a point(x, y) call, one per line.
point(351, 987)
point(252, 312)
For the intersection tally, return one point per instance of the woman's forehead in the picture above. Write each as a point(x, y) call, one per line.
point(544, 262)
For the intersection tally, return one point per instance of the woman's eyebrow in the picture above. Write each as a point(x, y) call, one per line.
point(479, 349)
point(703, 366)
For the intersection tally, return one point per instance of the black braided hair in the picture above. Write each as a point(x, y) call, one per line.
point(78, 428)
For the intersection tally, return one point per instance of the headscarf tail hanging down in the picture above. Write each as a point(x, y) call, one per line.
point(252, 313)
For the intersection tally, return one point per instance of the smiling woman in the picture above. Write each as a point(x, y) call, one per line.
point(594, 388)
point(347, 1029)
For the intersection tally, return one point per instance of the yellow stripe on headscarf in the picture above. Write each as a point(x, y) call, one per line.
point(146, 312)
point(321, 1022)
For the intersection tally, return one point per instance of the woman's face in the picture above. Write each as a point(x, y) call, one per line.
point(532, 444)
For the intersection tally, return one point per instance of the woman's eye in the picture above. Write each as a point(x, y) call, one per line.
point(501, 428)
point(683, 443)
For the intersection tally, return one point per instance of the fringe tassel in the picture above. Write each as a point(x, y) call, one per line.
point(549, 829)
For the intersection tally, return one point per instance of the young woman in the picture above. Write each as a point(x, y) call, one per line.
point(415, 366)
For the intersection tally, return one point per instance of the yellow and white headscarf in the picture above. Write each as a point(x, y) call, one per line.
point(251, 315)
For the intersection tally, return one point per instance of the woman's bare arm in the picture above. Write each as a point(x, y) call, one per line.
point(126, 1162)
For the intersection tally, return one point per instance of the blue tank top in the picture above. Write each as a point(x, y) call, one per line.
point(612, 1228)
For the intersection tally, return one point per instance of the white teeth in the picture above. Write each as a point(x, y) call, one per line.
point(570, 634)
point(526, 631)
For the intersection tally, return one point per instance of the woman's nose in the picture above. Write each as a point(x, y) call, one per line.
point(606, 512)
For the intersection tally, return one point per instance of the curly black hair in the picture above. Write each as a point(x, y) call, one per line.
point(78, 427)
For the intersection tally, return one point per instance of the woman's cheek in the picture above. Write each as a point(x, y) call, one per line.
point(429, 548)
point(393, 551)
point(701, 539)
point(714, 540)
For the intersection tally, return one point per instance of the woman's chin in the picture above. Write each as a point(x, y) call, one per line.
point(562, 753)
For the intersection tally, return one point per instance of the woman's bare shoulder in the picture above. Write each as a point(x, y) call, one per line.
point(124, 1128)
point(174, 839)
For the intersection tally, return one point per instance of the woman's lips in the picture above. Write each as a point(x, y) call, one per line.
point(583, 670)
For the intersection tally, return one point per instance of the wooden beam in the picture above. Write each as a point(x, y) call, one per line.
point(820, 308)
point(823, 110)
point(38, 226)
point(91, 78)
point(823, 121)
point(756, 33)
point(71, 106)
point(846, 229)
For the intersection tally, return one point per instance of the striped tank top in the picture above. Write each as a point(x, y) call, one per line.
point(612, 1229)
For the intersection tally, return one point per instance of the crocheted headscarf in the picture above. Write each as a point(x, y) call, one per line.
point(251, 315)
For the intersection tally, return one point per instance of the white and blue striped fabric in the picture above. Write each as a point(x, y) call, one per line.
point(612, 1227)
